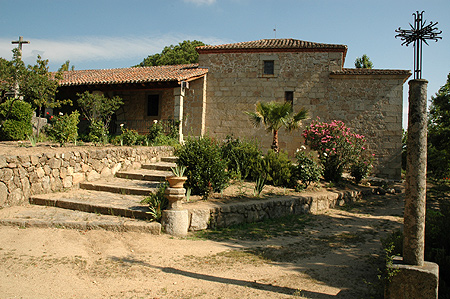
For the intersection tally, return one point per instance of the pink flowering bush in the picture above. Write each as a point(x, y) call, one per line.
point(338, 148)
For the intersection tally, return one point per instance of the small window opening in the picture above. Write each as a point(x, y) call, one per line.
point(289, 97)
point(269, 67)
point(153, 105)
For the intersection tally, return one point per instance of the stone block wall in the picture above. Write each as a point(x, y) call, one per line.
point(194, 103)
point(258, 210)
point(135, 108)
point(236, 83)
point(370, 105)
point(25, 175)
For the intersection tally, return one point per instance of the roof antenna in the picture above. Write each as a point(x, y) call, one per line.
point(275, 30)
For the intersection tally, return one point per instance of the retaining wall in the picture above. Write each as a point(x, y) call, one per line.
point(216, 215)
point(25, 175)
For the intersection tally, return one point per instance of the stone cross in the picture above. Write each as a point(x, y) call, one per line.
point(19, 42)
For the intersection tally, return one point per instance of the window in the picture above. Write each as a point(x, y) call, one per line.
point(153, 105)
point(269, 67)
point(289, 97)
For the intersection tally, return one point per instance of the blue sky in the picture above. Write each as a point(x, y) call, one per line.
point(98, 34)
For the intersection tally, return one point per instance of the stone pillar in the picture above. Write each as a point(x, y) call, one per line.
point(416, 175)
point(415, 278)
point(178, 110)
point(175, 220)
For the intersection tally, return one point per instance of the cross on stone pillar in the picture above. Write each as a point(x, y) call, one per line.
point(415, 278)
point(19, 43)
point(414, 227)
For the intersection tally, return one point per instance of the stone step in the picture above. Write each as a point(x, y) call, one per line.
point(122, 186)
point(169, 159)
point(95, 202)
point(51, 217)
point(165, 166)
point(144, 175)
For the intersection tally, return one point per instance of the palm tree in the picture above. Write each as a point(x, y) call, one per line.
point(275, 115)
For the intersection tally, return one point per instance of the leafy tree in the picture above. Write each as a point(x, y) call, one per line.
point(363, 62)
point(183, 53)
point(66, 66)
point(274, 116)
point(439, 132)
point(98, 109)
point(37, 85)
point(11, 73)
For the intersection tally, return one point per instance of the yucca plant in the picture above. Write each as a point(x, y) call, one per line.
point(179, 170)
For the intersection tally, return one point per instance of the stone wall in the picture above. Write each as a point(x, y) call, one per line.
point(370, 105)
point(134, 111)
point(194, 108)
point(224, 215)
point(25, 175)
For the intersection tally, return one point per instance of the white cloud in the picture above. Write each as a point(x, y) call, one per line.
point(97, 50)
point(201, 2)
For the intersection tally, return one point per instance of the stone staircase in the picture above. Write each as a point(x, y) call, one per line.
point(118, 196)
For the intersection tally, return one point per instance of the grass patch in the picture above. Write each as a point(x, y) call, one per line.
point(228, 258)
point(291, 225)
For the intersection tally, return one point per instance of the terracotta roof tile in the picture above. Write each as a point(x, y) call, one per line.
point(133, 75)
point(362, 71)
point(273, 44)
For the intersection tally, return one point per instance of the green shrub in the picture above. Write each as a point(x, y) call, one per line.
point(165, 140)
point(64, 128)
point(278, 169)
point(437, 244)
point(156, 130)
point(173, 126)
point(157, 202)
point(17, 125)
point(243, 158)
point(205, 166)
point(307, 170)
point(97, 132)
point(129, 136)
point(142, 140)
point(361, 168)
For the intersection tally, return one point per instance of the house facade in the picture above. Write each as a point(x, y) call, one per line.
point(211, 97)
point(149, 93)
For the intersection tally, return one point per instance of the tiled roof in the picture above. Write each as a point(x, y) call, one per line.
point(282, 44)
point(362, 71)
point(133, 75)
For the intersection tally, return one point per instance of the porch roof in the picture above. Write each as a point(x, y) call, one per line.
point(166, 73)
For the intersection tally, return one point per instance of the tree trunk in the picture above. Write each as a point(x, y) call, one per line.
point(275, 146)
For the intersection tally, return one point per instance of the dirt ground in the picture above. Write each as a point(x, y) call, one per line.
point(334, 255)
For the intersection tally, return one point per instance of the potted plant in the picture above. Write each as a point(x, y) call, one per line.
point(178, 178)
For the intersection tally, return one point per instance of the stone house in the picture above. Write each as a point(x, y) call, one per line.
point(149, 93)
point(211, 97)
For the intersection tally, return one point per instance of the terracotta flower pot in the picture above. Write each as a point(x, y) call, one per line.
point(176, 181)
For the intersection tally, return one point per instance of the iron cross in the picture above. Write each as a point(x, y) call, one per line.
point(418, 33)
